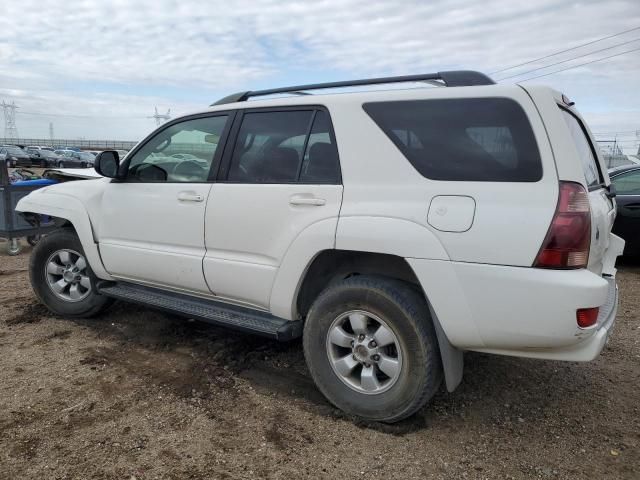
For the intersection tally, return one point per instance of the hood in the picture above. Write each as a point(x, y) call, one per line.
point(88, 192)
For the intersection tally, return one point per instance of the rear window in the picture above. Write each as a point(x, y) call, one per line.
point(585, 150)
point(470, 139)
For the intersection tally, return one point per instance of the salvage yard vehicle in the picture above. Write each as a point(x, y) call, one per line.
point(626, 181)
point(73, 159)
point(15, 157)
point(392, 230)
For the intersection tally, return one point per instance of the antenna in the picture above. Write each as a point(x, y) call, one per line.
point(10, 129)
point(159, 117)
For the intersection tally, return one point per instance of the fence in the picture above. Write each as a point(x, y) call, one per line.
point(83, 144)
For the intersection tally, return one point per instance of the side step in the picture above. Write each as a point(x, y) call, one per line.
point(210, 311)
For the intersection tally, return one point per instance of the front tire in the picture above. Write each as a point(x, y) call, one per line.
point(62, 278)
point(371, 348)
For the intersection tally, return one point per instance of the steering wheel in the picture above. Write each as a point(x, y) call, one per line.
point(190, 170)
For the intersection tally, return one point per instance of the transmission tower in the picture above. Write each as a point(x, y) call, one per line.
point(10, 129)
point(159, 117)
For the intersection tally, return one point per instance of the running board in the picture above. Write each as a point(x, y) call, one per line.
point(210, 311)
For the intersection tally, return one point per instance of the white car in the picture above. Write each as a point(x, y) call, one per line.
point(392, 230)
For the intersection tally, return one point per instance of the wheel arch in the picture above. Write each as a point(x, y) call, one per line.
point(67, 211)
point(331, 266)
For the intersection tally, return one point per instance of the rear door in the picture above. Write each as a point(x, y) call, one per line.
point(279, 177)
point(603, 210)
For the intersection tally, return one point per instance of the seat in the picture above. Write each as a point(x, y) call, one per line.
point(323, 165)
point(280, 165)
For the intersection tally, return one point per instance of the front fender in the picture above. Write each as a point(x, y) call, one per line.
point(71, 209)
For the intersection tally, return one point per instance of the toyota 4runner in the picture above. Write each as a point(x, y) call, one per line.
point(392, 230)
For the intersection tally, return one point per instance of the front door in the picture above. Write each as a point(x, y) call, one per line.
point(627, 224)
point(151, 227)
point(281, 178)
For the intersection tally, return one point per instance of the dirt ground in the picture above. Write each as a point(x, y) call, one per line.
point(137, 394)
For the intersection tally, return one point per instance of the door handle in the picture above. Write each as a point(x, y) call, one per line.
point(307, 200)
point(190, 197)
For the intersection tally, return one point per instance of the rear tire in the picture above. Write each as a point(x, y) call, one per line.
point(62, 278)
point(371, 348)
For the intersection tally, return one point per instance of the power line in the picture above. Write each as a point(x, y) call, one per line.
point(569, 59)
point(580, 65)
point(77, 116)
point(566, 50)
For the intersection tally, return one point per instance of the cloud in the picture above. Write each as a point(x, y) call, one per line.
point(186, 52)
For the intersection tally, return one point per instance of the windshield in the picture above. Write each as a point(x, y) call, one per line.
point(85, 156)
point(14, 150)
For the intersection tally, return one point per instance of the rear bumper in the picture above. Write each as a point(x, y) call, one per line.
point(584, 351)
point(518, 311)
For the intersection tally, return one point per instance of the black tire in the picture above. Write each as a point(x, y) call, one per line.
point(64, 238)
point(406, 312)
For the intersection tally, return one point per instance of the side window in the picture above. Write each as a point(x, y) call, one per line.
point(471, 139)
point(589, 161)
point(269, 147)
point(182, 152)
point(321, 163)
point(627, 183)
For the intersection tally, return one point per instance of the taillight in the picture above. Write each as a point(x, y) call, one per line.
point(587, 317)
point(569, 237)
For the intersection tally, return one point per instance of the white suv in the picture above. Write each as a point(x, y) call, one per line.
point(392, 230)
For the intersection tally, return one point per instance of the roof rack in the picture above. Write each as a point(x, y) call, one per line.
point(453, 78)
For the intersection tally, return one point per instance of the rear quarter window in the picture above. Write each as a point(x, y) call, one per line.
point(585, 149)
point(470, 139)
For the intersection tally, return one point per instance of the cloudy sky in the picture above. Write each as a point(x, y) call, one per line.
point(97, 69)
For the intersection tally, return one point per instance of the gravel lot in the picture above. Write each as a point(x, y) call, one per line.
point(140, 394)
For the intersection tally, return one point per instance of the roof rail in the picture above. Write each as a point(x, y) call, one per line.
point(453, 78)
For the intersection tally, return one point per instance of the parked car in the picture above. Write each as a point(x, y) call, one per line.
point(73, 159)
point(626, 181)
point(391, 230)
point(15, 156)
point(44, 158)
point(86, 159)
point(39, 147)
point(122, 153)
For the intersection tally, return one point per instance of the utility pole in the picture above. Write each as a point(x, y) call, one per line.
point(160, 117)
point(10, 129)
point(51, 132)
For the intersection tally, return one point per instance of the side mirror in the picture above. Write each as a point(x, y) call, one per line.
point(106, 163)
